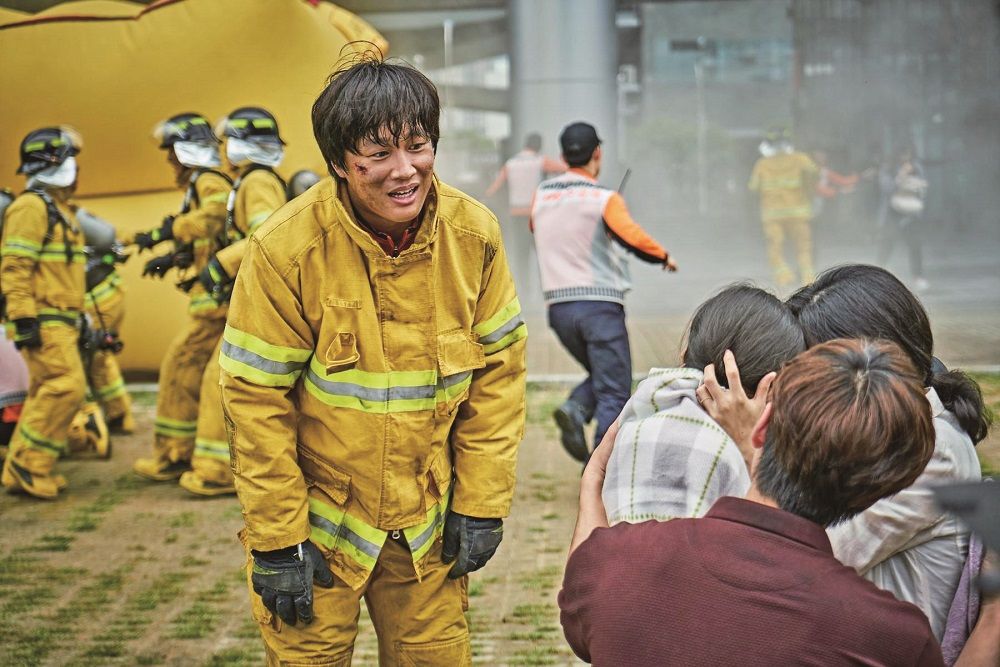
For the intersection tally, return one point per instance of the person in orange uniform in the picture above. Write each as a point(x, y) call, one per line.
point(42, 279)
point(193, 153)
point(785, 179)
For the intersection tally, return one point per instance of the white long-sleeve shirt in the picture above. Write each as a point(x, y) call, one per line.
point(905, 543)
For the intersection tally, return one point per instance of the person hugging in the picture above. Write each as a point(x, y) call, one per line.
point(671, 459)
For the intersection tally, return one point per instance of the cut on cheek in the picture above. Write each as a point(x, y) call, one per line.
point(360, 168)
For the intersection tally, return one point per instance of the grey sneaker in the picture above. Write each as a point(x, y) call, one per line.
point(569, 418)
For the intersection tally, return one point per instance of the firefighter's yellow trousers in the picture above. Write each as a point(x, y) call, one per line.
point(180, 388)
point(418, 623)
point(105, 375)
point(55, 392)
point(210, 473)
point(798, 229)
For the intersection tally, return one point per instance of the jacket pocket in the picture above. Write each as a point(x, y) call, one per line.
point(341, 353)
point(457, 355)
point(439, 475)
point(333, 483)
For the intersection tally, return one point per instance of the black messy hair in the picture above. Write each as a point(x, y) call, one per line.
point(368, 98)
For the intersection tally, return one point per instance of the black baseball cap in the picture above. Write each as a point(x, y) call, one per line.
point(578, 141)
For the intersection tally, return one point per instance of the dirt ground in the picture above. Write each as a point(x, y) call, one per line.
point(120, 571)
point(124, 572)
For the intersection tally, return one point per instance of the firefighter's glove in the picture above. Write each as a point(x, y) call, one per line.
point(470, 542)
point(216, 281)
point(284, 580)
point(27, 333)
point(184, 257)
point(158, 266)
point(165, 232)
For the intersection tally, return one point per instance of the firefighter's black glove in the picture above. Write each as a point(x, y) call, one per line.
point(158, 266)
point(165, 232)
point(470, 542)
point(27, 333)
point(284, 580)
point(216, 281)
point(184, 257)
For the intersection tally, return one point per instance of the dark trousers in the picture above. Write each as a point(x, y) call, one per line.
point(896, 228)
point(594, 333)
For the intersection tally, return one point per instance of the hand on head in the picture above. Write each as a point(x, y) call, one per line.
point(734, 411)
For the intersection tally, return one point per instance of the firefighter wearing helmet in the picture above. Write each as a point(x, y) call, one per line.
point(785, 179)
point(253, 148)
point(42, 279)
point(193, 153)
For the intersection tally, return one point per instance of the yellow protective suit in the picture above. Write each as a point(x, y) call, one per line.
point(259, 194)
point(785, 183)
point(106, 305)
point(42, 275)
point(363, 391)
point(185, 360)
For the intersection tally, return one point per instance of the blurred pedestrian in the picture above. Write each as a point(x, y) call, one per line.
point(522, 173)
point(579, 227)
point(904, 188)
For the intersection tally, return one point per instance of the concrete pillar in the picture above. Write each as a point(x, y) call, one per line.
point(564, 64)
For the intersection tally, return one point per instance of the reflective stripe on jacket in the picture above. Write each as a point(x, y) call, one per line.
point(785, 182)
point(364, 391)
point(35, 276)
point(202, 226)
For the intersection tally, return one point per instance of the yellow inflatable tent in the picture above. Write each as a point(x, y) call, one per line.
point(113, 69)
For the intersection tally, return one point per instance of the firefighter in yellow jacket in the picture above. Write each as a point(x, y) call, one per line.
point(785, 179)
point(253, 149)
point(374, 384)
point(193, 152)
point(42, 280)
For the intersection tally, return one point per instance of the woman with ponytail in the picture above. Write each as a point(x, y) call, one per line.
point(904, 543)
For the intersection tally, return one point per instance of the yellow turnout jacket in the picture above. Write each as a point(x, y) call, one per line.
point(260, 194)
point(785, 183)
point(37, 276)
point(203, 226)
point(364, 392)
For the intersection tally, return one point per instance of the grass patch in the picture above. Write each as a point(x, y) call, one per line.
point(533, 614)
point(543, 579)
point(182, 520)
point(191, 561)
point(196, 622)
point(51, 542)
point(551, 516)
point(234, 657)
point(475, 588)
point(145, 399)
point(544, 494)
point(536, 655)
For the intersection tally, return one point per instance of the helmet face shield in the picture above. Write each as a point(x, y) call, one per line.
point(197, 154)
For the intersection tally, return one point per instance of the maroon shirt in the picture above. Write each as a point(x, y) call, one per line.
point(745, 585)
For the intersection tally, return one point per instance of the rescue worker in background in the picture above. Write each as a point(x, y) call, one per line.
point(253, 148)
point(105, 304)
point(42, 280)
point(13, 371)
point(785, 180)
point(522, 173)
point(373, 381)
point(577, 225)
point(193, 152)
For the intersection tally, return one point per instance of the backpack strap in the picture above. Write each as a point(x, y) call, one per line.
point(55, 217)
